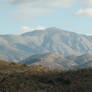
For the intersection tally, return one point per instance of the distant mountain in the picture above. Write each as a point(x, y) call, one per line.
point(85, 65)
point(50, 40)
point(83, 59)
point(57, 61)
point(54, 61)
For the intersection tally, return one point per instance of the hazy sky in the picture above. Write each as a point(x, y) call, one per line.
point(17, 16)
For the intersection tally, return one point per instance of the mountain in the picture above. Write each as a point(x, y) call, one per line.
point(50, 40)
point(83, 59)
point(51, 60)
point(57, 61)
point(85, 65)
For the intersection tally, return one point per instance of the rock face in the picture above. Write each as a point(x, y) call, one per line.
point(53, 40)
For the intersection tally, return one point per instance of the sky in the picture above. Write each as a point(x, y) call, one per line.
point(18, 16)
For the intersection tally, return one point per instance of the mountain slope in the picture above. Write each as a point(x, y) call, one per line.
point(83, 59)
point(54, 61)
point(54, 40)
point(85, 65)
point(57, 61)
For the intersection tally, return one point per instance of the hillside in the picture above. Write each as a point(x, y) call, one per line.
point(51, 60)
point(23, 78)
point(85, 65)
point(57, 61)
point(8, 68)
point(53, 40)
point(83, 58)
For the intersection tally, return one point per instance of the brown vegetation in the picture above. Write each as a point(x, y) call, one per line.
point(21, 78)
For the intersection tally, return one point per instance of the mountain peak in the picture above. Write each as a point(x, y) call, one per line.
point(40, 31)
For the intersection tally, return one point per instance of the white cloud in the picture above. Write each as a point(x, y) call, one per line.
point(28, 10)
point(89, 34)
point(55, 3)
point(28, 13)
point(86, 3)
point(84, 12)
point(24, 29)
point(62, 3)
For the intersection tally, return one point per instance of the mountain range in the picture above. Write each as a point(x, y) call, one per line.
point(50, 40)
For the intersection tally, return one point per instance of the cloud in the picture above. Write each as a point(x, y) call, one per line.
point(55, 3)
point(89, 34)
point(63, 3)
point(86, 3)
point(24, 29)
point(28, 13)
point(84, 12)
point(29, 10)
